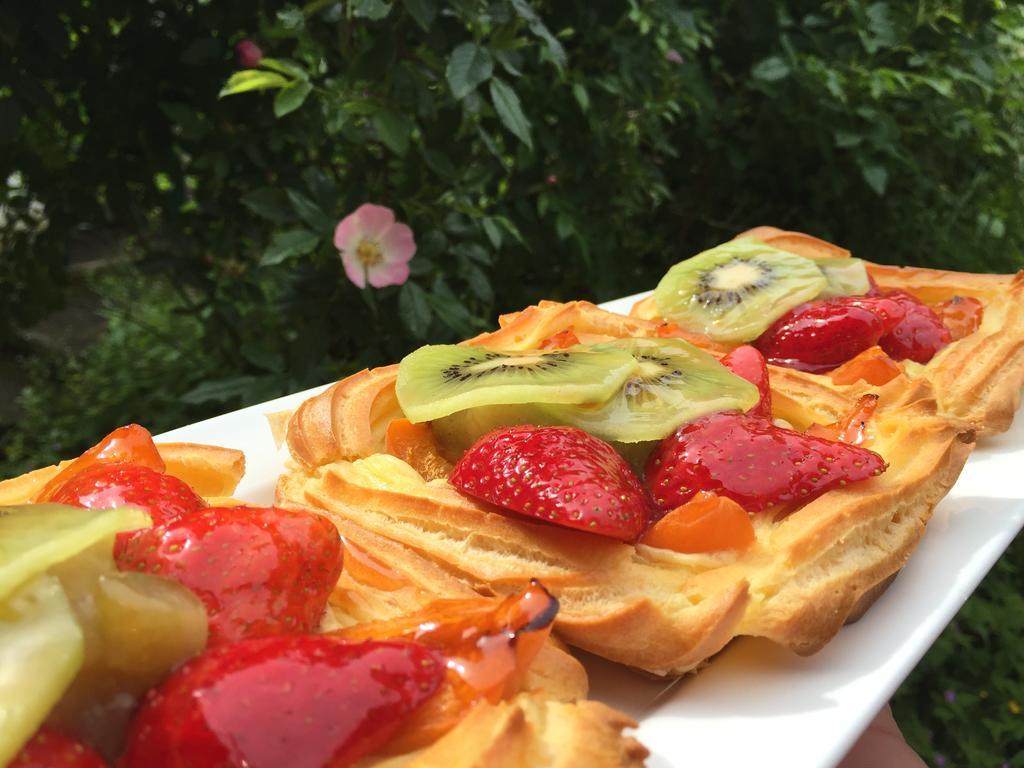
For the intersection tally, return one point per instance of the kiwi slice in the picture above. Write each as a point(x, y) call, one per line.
point(675, 383)
point(41, 651)
point(435, 381)
point(846, 277)
point(733, 292)
point(33, 537)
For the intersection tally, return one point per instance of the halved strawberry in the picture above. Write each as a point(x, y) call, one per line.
point(103, 486)
point(753, 462)
point(748, 363)
point(50, 748)
point(130, 444)
point(918, 335)
point(303, 700)
point(259, 571)
point(561, 475)
point(821, 335)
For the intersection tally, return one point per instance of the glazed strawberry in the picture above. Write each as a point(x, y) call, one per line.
point(753, 462)
point(103, 486)
point(561, 475)
point(748, 363)
point(50, 748)
point(130, 444)
point(888, 310)
point(821, 335)
point(259, 571)
point(303, 701)
point(919, 335)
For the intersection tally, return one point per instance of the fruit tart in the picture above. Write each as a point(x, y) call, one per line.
point(670, 500)
point(143, 623)
point(809, 305)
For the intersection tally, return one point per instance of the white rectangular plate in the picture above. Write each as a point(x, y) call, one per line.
point(757, 703)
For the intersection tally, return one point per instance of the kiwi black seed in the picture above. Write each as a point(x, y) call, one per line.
point(734, 291)
point(675, 383)
point(438, 380)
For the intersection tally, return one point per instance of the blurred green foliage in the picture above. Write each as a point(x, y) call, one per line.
point(538, 149)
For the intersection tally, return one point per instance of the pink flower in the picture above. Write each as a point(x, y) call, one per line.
point(375, 249)
point(673, 56)
point(249, 54)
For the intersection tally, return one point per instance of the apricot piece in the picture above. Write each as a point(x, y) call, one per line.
point(706, 523)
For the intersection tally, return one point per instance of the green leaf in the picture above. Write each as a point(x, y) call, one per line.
point(309, 211)
point(539, 28)
point(192, 124)
point(846, 139)
point(289, 68)
point(322, 187)
point(219, 390)
point(479, 284)
point(423, 11)
point(493, 232)
point(292, 242)
point(582, 97)
point(876, 176)
point(269, 203)
point(374, 10)
point(468, 66)
point(414, 310)
point(453, 314)
point(291, 97)
point(393, 129)
point(252, 80)
point(770, 70)
point(292, 17)
point(506, 104)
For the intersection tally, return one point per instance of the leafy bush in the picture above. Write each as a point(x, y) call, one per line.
point(537, 150)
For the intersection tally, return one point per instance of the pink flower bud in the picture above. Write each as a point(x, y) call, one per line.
point(674, 56)
point(249, 54)
point(552, 180)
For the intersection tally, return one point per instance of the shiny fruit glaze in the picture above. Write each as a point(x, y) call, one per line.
point(303, 701)
point(753, 462)
point(50, 748)
point(560, 340)
point(415, 445)
point(130, 444)
point(560, 475)
point(487, 644)
point(706, 523)
point(872, 366)
point(105, 486)
point(748, 363)
point(962, 315)
point(366, 569)
point(259, 571)
point(919, 335)
point(820, 335)
point(852, 428)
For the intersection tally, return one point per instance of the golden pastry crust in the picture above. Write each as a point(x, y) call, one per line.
point(530, 732)
point(977, 378)
point(210, 470)
point(651, 608)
